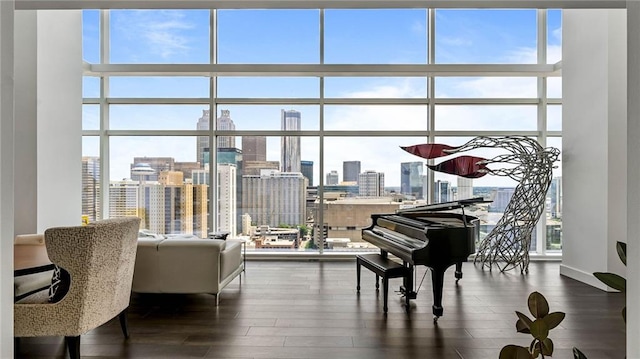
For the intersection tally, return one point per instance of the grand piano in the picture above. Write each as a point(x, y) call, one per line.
point(426, 235)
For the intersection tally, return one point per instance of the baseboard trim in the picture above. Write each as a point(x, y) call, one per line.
point(583, 277)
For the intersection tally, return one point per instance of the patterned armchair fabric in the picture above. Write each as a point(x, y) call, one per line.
point(100, 258)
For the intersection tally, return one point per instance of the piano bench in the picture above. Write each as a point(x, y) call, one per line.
point(382, 267)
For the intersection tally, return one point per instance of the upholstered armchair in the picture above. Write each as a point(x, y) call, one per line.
point(26, 285)
point(99, 259)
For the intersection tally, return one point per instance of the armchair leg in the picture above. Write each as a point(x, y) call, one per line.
point(124, 323)
point(217, 299)
point(73, 343)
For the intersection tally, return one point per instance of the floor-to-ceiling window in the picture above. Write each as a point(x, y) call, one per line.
point(296, 116)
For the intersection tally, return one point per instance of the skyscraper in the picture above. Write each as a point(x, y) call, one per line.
point(465, 188)
point(371, 184)
point(411, 179)
point(223, 122)
point(290, 145)
point(227, 203)
point(254, 148)
point(442, 191)
point(274, 198)
point(350, 171)
point(203, 141)
point(306, 168)
point(91, 201)
point(332, 178)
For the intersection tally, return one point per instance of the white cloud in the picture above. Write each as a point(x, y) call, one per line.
point(162, 32)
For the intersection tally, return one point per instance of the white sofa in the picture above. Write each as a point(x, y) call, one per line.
point(186, 265)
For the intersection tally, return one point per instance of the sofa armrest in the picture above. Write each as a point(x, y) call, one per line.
point(145, 276)
point(230, 259)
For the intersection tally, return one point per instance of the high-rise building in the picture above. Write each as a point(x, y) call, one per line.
point(274, 198)
point(254, 148)
point(306, 167)
point(371, 184)
point(290, 120)
point(350, 171)
point(332, 178)
point(554, 197)
point(254, 167)
point(91, 200)
point(442, 192)
point(148, 168)
point(500, 199)
point(123, 199)
point(227, 202)
point(465, 188)
point(225, 123)
point(202, 145)
point(411, 179)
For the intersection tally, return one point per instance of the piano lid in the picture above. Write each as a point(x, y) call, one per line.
point(445, 206)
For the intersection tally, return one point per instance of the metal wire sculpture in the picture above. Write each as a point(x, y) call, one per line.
point(528, 163)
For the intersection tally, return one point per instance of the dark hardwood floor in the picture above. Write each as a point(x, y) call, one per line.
point(287, 309)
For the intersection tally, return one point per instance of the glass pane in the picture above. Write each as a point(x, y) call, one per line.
point(554, 117)
point(486, 117)
point(155, 117)
point(275, 208)
point(268, 87)
point(188, 87)
point(380, 36)
point(486, 36)
point(90, 117)
point(151, 177)
point(554, 36)
point(90, 87)
point(486, 87)
point(91, 36)
point(369, 177)
point(554, 202)
point(498, 189)
point(268, 36)
point(270, 117)
point(375, 87)
point(376, 117)
point(159, 36)
point(554, 87)
point(91, 193)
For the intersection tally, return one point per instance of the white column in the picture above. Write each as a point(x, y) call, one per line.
point(6, 178)
point(59, 124)
point(594, 142)
point(633, 179)
point(26, 188)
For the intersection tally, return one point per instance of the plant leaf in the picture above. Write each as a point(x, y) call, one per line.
point(539, 329)
point(621, 247)
point(514, 352)
point(612, 280)
point(538, 305)
point(546, 347)
point(577, 354)
point(553, 319)
point(521, 327)
point(524, 320)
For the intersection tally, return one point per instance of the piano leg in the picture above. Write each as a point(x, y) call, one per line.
point(437, 280)
point(458, 271)
point(407, 288)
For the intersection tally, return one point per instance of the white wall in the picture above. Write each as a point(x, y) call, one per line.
point(59, 123)
point(6, 178)
point(594, 142)
point(26, 187)
point(633, 179)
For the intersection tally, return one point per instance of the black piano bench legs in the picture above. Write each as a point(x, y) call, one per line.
point(382, 267)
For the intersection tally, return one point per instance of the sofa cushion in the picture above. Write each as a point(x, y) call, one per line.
point(60, 282)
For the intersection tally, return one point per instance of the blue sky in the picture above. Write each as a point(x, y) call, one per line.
point(292, 36)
